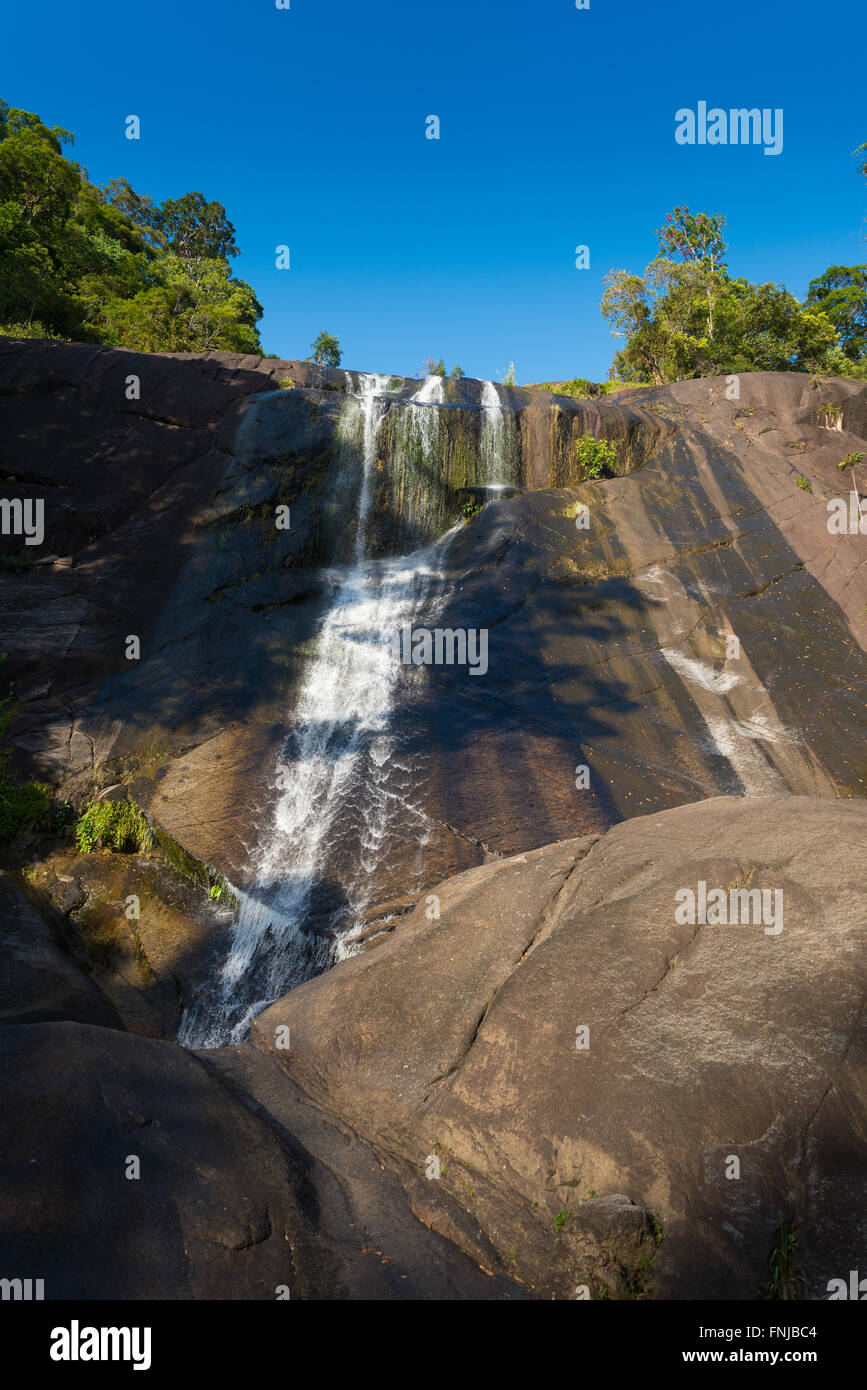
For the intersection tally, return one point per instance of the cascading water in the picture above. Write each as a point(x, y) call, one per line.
point(430, 392)
point(493, 425)
point(345, 784)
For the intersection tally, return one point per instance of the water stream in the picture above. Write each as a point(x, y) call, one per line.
point(346, 780)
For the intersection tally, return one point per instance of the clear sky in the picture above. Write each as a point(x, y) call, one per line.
point(557, 129)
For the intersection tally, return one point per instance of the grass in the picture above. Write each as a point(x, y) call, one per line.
point(581, 389)
point(25, 807)
point(116, 825)
point(560, 1219)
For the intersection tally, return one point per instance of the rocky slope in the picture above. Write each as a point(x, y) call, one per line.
point(571, 1164)
point(674, 693)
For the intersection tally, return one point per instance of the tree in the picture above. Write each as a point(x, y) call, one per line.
point(697, 238)
point(661, 315)
point(326, 351)
point(841, 295)
point(196, 230)
point(850, 461)
point(686, 317)
point(457, 373)
point(107, 264)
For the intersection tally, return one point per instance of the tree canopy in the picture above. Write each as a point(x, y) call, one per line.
point(108, 264)
point(686, 316)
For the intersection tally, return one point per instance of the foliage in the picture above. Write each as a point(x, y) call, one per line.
point(508, 376)
point(326, 350)
point(787, 1281)
point(803, 483)
point(685, 316)
point(107, 264)
point(470, 507)
point(696, 238)
point(841, 295)
point(25, 807)
point(117, 825)
point(579, 387)
point(597, 457)
point(432, 367)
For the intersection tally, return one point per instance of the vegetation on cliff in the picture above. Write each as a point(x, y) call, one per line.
point(108, 265)
point(687, 317)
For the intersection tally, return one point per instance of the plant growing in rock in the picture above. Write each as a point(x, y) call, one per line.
point(787, 1281)
point(597, 457)
point(830, 413)
point(802, 483)
point(115, 825)
point(24, 806)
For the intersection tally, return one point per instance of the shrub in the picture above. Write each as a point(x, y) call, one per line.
point(117, 825)
point(24, 806)
point(597, 457)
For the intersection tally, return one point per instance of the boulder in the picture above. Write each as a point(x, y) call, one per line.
point(719, 1085)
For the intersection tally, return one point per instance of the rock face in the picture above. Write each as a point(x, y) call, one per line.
point(463, 1036)
point(673, 696)
point(717, 1092)
point(610, 647)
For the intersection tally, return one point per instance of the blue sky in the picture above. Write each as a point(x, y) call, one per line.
point(557, 129)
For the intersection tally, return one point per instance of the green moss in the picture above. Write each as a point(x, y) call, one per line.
point(116, 825)
point(186, 864)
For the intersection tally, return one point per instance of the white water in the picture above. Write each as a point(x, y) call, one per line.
point(345, 781)
point(493, 427)
point(430, 393)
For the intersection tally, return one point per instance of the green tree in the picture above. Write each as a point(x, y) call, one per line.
point(326, 350)
point(841, 295)
point(697, 238)
point(107, 264)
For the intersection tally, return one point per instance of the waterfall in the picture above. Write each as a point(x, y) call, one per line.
point(498, 451)
point(430, 393)
point(345, 785)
